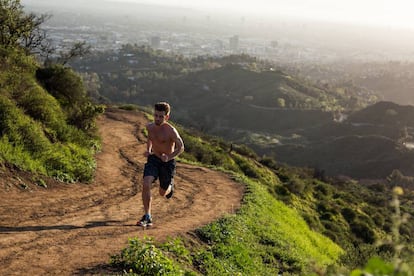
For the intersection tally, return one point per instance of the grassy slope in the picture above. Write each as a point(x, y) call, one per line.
point(265, 237)
point(35, 134)
point(274, 236)
point(285, 219)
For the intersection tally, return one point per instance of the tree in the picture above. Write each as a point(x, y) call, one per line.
point(78, 49)
point(20, 29)
point(281, 102)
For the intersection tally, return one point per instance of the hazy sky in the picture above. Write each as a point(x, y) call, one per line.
point(394, 13)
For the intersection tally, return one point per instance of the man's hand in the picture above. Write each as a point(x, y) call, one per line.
point(164, 157)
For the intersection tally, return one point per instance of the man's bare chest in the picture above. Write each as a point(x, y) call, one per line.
point(161, 137)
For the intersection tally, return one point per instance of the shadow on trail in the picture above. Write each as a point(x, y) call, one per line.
point(101, 269)
point(90, 224)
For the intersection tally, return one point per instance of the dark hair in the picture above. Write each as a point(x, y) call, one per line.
point(162, 106)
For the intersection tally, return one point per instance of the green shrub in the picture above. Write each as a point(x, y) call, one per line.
point(17, 155)
point(244, 150)
point(177, 247)
point(378, 267)
point(144, 258)
point(218, 232)
point(246, 167)
point(67, 87)
point(42, 107)
point(295, 185)
point(349, 214)
point(363, 231)
point(70, 163)
point(402, 262)
point(197, 150)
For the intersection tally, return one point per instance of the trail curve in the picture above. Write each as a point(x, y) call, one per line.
point(73, 229)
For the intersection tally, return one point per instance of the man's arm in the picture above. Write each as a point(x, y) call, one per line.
point(149, 144)
point(179, 145)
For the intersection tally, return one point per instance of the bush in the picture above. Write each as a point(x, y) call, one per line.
point(70, 163)
point(200, 151)
point(295, 185)
point(67, 87)
point(144, 258)
point(247, 168)
point(362, 230)
point(43, 108)
point(349, 214)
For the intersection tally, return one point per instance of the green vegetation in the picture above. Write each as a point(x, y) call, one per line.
point(144, 258)
point(294, 221)
point(39, 134)
point(273, 110)
point(46, 119)
point(402, 262)
point(140, 74)
point(265, 238)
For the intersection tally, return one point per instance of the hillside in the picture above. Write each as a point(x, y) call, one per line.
point(73, 229)
point(137, 74)
point(46, 118)
point(280, 115)
point(370, 143)
point(385, 114)
point(68, 196)
point(57, 219)
point(70, 172)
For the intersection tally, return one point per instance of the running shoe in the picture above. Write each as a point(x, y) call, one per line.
point(170, 194)
point(146, 220)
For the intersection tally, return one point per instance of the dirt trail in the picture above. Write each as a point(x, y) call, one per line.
point(72, 229)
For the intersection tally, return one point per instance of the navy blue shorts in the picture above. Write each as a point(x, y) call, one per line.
point(165, 171)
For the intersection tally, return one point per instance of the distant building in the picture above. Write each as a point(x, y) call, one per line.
point(274, 43)
point(234, 43)
point(219, 44)
point(155, 42)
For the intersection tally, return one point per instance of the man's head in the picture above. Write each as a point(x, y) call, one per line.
point(161, 112)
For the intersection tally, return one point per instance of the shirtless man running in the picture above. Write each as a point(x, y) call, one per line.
point(163, 145)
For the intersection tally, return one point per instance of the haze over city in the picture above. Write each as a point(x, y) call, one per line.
point(369, 29)
point(369, 12)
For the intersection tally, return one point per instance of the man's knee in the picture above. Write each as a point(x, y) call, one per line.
point(162, 191)
point(147, 182)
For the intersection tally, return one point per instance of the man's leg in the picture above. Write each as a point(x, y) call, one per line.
point(166, 175)
point(146, 194)
point(164, 192)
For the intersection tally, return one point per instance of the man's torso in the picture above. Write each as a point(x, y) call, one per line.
point(162, 138)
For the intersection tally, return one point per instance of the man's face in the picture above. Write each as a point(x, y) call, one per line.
point(160, 117)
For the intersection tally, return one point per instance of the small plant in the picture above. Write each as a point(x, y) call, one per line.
point(24, 186)
point(144, 258)
point(176, 247)
point(40, 182)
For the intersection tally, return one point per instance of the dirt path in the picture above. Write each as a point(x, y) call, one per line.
point(72, 229)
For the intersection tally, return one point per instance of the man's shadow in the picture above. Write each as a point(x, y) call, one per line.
point(35, 228)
